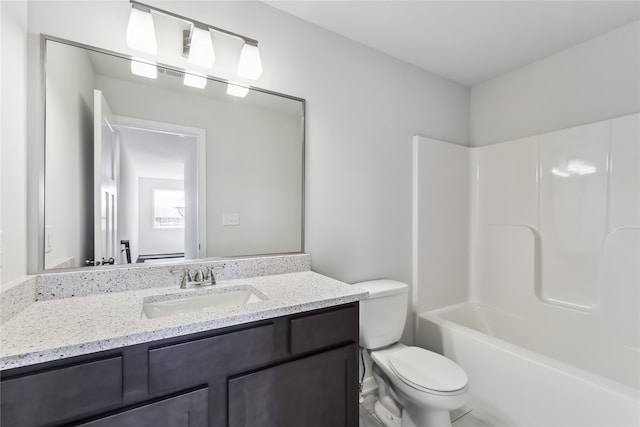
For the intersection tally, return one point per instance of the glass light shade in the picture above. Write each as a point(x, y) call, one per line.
point(201, 50)
point(238, 90)
point(195, 81)
point(250, 65)
point(143, 69)
point(141, 34)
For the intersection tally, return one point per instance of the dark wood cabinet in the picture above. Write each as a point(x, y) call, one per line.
point(50, 395)
point(176, 366)
point(298, 370)
point(310, 392)
point(186, 410)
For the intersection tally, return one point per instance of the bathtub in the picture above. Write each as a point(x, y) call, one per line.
point(549, 368)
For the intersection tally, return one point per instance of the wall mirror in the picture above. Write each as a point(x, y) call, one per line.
point(145, 165)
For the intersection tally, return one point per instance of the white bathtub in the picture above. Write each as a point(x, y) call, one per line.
point(550, 368)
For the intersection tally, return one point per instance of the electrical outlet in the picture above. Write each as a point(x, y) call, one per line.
point(230, 219)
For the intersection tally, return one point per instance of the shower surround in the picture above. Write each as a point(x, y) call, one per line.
point(549, 330)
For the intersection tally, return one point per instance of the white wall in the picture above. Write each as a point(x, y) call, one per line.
point(69, 157)
point(595, 80)
point(13, 104)
point(363, 110)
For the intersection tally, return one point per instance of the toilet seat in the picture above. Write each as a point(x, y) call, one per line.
point(427, 371)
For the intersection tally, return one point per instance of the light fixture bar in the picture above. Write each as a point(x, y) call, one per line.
point(194, 22)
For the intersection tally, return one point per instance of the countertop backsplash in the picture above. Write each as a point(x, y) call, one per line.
point(15, 296)
point(20, 293)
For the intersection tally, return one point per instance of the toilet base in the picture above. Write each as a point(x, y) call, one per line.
point(386, 416)
point(413, 416)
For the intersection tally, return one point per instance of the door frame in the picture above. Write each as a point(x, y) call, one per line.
point(105, 211)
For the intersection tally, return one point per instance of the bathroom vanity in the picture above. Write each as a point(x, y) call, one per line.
point(288, 371)
point(289, 360)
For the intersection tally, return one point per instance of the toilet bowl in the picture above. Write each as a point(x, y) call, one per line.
point(416, 387)
point(425, 384)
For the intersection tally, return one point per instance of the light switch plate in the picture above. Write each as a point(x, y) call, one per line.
point(230, 219)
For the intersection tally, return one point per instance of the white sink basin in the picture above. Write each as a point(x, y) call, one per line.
point(200, 300)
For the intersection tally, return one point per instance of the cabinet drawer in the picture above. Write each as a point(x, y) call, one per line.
point(63, 393)
point(324, 329)
point(193, 363)
point(186, 410)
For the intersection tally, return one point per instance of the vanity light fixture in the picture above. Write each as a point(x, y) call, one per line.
point(237, 89)
point(197, 42)
point(192, 80)
point(143, 69)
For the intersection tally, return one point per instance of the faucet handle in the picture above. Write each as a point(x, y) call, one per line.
point(186, 279)
point(186, 276)
point(210, 276)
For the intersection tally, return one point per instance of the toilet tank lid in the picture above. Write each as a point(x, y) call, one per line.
point(383, 287)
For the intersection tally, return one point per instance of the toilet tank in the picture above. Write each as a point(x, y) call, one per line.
point(383, 314)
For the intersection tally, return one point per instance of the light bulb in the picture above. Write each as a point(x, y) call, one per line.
point(141, 34)
point(235, 89)
point(201, 50)
point(195, 81)
point(143, 69)
point(250, 65)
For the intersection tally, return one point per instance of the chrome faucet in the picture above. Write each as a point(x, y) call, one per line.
point(198, 277)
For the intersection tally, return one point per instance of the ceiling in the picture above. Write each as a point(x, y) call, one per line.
point(156, 154)
point(466, 41)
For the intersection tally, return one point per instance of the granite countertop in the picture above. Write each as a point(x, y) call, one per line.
point(60, 328)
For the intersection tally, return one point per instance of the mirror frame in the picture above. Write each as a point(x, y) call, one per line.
point(36, 266)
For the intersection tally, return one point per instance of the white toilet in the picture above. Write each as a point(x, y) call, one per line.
point(416, 387)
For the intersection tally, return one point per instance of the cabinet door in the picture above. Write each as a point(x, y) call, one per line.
point(185, 410)
point(317, 391)
point(192, 363)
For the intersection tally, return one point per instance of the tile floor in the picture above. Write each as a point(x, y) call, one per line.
point(369, 419)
